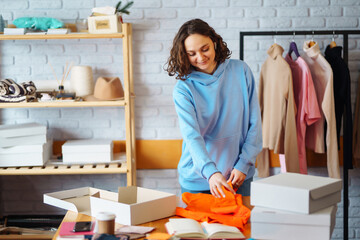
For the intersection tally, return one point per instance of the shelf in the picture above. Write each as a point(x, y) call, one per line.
point(100, 168)
point(60, 36)
point(61, 104)
point(128, 168)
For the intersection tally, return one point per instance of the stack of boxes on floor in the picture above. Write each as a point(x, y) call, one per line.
point(87, 151)
point(24, 145)
point(294, 206)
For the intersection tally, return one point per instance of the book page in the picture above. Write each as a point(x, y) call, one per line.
point(217, 230)
point(184, 227)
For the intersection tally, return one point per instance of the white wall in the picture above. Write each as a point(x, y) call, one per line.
point(155, 23)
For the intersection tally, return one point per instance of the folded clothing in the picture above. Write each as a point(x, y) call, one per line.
point(10, 91)
point(205, 207)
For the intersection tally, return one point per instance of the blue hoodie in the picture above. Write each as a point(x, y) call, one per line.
point(219, 118)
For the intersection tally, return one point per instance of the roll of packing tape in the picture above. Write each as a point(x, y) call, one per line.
point(105, 222)
point(82, 81)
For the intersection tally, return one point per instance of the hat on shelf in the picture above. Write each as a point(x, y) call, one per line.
point(107, 88)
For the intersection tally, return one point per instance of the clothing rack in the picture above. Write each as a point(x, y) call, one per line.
point(345, 34)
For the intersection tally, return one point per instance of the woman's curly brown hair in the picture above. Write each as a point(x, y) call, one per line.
point(178, 62)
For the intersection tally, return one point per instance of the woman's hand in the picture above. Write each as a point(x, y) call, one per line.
point(216, 181)
point(237, 178)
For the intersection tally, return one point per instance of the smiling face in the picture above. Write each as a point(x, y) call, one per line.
point(201, 52)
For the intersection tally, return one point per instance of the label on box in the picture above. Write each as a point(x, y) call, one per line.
point(102, 24)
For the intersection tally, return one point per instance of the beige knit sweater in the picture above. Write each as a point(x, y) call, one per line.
point(322, 75)
point(277, 105)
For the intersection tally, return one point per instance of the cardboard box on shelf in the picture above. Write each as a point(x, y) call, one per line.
point(22, 140)
point(267, 223)
point(104, 24)
point(82, 158)
point(26, 155)
point(57, 31)
point(132, 205)
point(88, 151)
point(23, 129)
point(88, 146)
point(296, 192)
point(14, 31)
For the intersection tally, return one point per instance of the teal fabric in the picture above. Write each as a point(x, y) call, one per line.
point(38, 23)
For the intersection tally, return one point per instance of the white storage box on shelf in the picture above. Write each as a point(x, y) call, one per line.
point(22, 140)
point(296, 192)
point(104, 24)
point(22, 134)
point(26, 155)
point(132, 205)
point(24, 129)
point(267, 223)
point(88, 151)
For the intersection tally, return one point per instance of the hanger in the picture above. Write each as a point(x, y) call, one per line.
point(312, 43)
point(333, 43)
point(293, 47)
point(274, 39)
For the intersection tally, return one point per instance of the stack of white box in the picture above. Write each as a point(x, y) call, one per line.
point(294, 206)
point(24, 145)
point(88, 151)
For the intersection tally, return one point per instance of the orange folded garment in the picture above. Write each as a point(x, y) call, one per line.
point(205, 207)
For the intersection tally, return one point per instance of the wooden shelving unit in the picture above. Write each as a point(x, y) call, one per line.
point(128, 103)
point(62, 36)
point(62, 104)
point(99, 168)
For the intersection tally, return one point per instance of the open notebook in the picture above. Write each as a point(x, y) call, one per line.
point(189, 228)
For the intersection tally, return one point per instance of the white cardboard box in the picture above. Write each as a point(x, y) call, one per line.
point(267, 223)
point(88, 151)
point(23, 129)
point(132, 205)
point(87, 145)
point(27, 155)
point(82, 158)
point(296, 192)
point(23, 140)
point(104, 24)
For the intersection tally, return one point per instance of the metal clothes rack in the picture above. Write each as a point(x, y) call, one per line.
point(345, 34)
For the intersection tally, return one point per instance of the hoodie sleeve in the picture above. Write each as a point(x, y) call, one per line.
point(190, 131)
point(253, 141)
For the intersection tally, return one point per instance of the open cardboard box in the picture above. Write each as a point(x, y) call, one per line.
point(132, 205)
point(296, 192)
point(267, 223)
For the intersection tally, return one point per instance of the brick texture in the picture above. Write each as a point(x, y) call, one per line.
point(155, 22)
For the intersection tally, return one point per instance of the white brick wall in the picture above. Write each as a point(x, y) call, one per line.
point(155, 23)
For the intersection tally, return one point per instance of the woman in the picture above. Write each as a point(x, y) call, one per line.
point(218, 110)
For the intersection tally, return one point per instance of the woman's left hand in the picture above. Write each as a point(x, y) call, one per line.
point(237, 178)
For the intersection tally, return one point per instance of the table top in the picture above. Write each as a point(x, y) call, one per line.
point(159, 225)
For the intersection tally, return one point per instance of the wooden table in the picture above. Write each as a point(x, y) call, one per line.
point(159, 225)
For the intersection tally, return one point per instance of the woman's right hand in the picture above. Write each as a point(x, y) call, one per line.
point(216, 181)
